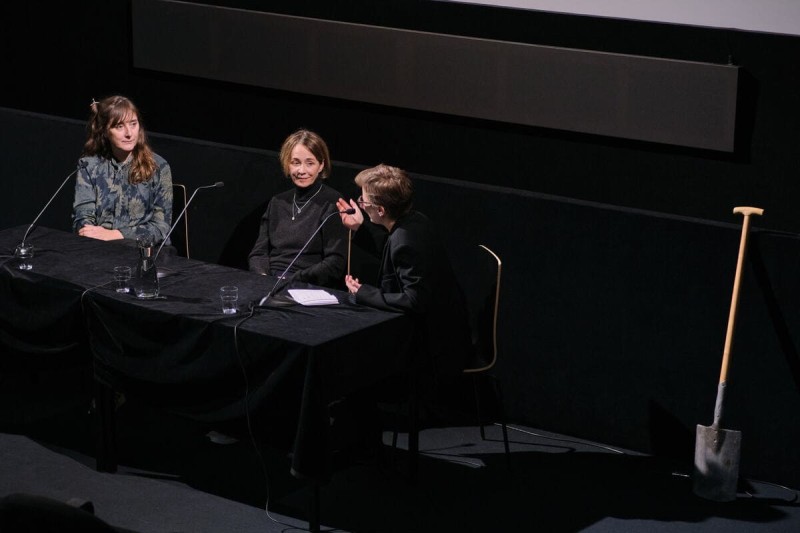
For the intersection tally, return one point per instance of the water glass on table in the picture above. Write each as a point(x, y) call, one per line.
point(122, 278)
point(229, 295)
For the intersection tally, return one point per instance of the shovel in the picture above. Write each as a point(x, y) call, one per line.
point(716, 453)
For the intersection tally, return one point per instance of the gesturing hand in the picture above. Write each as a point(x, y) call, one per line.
point(351, 222)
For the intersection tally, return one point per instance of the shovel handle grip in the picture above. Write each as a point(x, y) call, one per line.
point(746, 211)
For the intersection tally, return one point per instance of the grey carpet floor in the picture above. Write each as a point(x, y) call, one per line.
point(172, 479)
point(555, 484)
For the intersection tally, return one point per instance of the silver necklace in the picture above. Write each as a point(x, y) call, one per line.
point(297, 209)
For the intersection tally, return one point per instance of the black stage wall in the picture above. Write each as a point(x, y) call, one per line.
point(619, 254)
point(612, 319)
point(60, 56)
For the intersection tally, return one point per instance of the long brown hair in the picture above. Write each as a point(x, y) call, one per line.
point(106, 114)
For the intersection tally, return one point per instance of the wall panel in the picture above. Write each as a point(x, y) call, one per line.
point(649, 99)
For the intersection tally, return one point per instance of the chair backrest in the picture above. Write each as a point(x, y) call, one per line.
point(180, 236)
point(485, 312)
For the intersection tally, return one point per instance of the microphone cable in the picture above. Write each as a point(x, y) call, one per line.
point(282, 276)
point(90, 289)
point(246, 399)
point(251, 313)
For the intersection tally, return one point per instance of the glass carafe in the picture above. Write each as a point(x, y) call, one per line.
point(145, 281)
point(24, 254)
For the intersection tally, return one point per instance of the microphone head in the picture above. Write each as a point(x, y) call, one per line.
point(350, 211)
point(219, 184)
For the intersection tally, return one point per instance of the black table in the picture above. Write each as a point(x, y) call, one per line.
point(181, 353)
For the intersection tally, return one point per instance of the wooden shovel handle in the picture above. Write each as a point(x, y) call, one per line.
point(747, 211)
point(349, 244)
point(726, 354)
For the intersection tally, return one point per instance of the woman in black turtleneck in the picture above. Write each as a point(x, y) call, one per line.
point(293, 216)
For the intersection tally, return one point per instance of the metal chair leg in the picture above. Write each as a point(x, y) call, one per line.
point(313, 511)
point(478, 417)
point(413, 431)
point(500, 408)
point(502, 417)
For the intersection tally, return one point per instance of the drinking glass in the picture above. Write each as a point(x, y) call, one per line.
point(122, 275)
point(229, 295)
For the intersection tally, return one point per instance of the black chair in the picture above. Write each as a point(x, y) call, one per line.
point(484, 308)
point(180, 236)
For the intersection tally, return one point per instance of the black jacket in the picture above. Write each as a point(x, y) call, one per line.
point(416, 278)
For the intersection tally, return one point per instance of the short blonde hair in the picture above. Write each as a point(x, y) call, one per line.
point(389, 187)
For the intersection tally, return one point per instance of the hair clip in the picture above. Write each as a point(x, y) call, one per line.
point(93, 105)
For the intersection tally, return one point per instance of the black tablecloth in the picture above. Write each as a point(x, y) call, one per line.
point(181, 353)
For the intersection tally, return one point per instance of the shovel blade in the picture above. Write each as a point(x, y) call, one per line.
point(716, 463)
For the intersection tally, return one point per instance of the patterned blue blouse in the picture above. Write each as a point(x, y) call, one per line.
point(104, 197)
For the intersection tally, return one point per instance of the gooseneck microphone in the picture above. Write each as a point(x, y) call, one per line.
point(348, 211)
point(175, 222)
point(81, 164)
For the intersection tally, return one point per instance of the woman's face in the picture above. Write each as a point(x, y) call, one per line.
point(124, 136)
point(304, 167)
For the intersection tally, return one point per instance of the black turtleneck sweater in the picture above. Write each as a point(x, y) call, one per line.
point(289, 221)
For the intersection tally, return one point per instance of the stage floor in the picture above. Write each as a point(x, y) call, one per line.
point(173, 479)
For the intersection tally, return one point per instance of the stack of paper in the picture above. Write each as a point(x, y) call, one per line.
point(313, 297)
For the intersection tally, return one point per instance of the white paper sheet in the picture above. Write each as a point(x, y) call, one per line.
point(313, 297)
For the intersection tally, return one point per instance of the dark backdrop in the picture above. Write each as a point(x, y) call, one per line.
point(619, 255)
point(60, 56)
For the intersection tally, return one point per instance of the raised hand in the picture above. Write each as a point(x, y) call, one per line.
point(351, 222)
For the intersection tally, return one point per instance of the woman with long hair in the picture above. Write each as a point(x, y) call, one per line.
point(123, 189)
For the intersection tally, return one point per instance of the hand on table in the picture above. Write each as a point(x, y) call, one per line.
point(100, 233)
